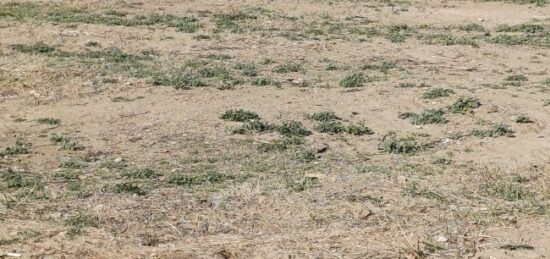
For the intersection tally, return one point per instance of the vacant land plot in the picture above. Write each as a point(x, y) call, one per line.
point(275, 129)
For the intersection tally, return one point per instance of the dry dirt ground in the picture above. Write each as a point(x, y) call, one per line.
point(275, 129)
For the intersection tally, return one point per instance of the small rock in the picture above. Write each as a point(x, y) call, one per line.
point(442, 239)
point(118, 160)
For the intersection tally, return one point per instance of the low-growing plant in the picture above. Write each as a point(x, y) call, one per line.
point(404, 145)
point(496, 130)
point(78, 222)
point(281, 144)
point(253, 126)
point(49, 121)
point(465, 105)
point(429, 116)
point(20, 147)
point(239, 115)
point(437, 93)
point(289, 67)
point(264, 81)
point(323, 116)
point(292, 128)
point(332, 127)
point(405, 85)
point(65, 142)
point(139, 173)
point(523, 119)
point(129, 187)
point(189, 180)
point(358, 129)
point(353, 80)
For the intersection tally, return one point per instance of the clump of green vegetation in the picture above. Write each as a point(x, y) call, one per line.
point(65, 142)
point(523, 119)
point(515, 80)
point(78, 222)
point(358, 129)
point(139, 173)
point(289, 67)
point(20, 147)
point(383, 66)
point(239, 115)
point(404, 145)
point(437, 93)
point(302, 184)
point(397, 33)
point(405, 85)
point(292, 128)
point(129, 187)
point(353, 80)
point(496, 130)
point(448, 39)
point(49, 121)
point(179, 79)
point(73, 164)
point(323, 116)
point(189, 180)
point(465, 105)
point(18, 179)
point(524, 28)
point(429, 116)
point(246, 69)
point(469, 27)
point(231, 21)
point(332, 127)
point(36, 48)
point(253, 126)
point(546, 102)
point(264, 81)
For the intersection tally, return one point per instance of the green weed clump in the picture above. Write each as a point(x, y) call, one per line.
point(239, 115)
point(437, 93)
point(323, 116)
point(292, 129)
point(20, 147)
point(253, 126)
point(353, 80)
point(465, 105)
point(403, 145)
point(49, 121)
point(65, 142)
point(429, 116)
point(496, 130)
point(189, 180)
point(290, 67)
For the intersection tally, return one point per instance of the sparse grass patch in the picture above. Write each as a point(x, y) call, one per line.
point(179, 79)
point(20, 147)
point(239, 115)
point(523, 119)
point(49, 121)
point(265, 81)
point(515, 80)
point(65, 142)
point(281, 144)
point(129, 187)
point(139, 173)
point(190, 180)
point(403, 145)
point(290, 67)
point(496, 130)
point(429, 116)
point(524, 28)
point(353, 80)
point(253, 126)
point(437, 93)
point(78, 222)
point(465, 105)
